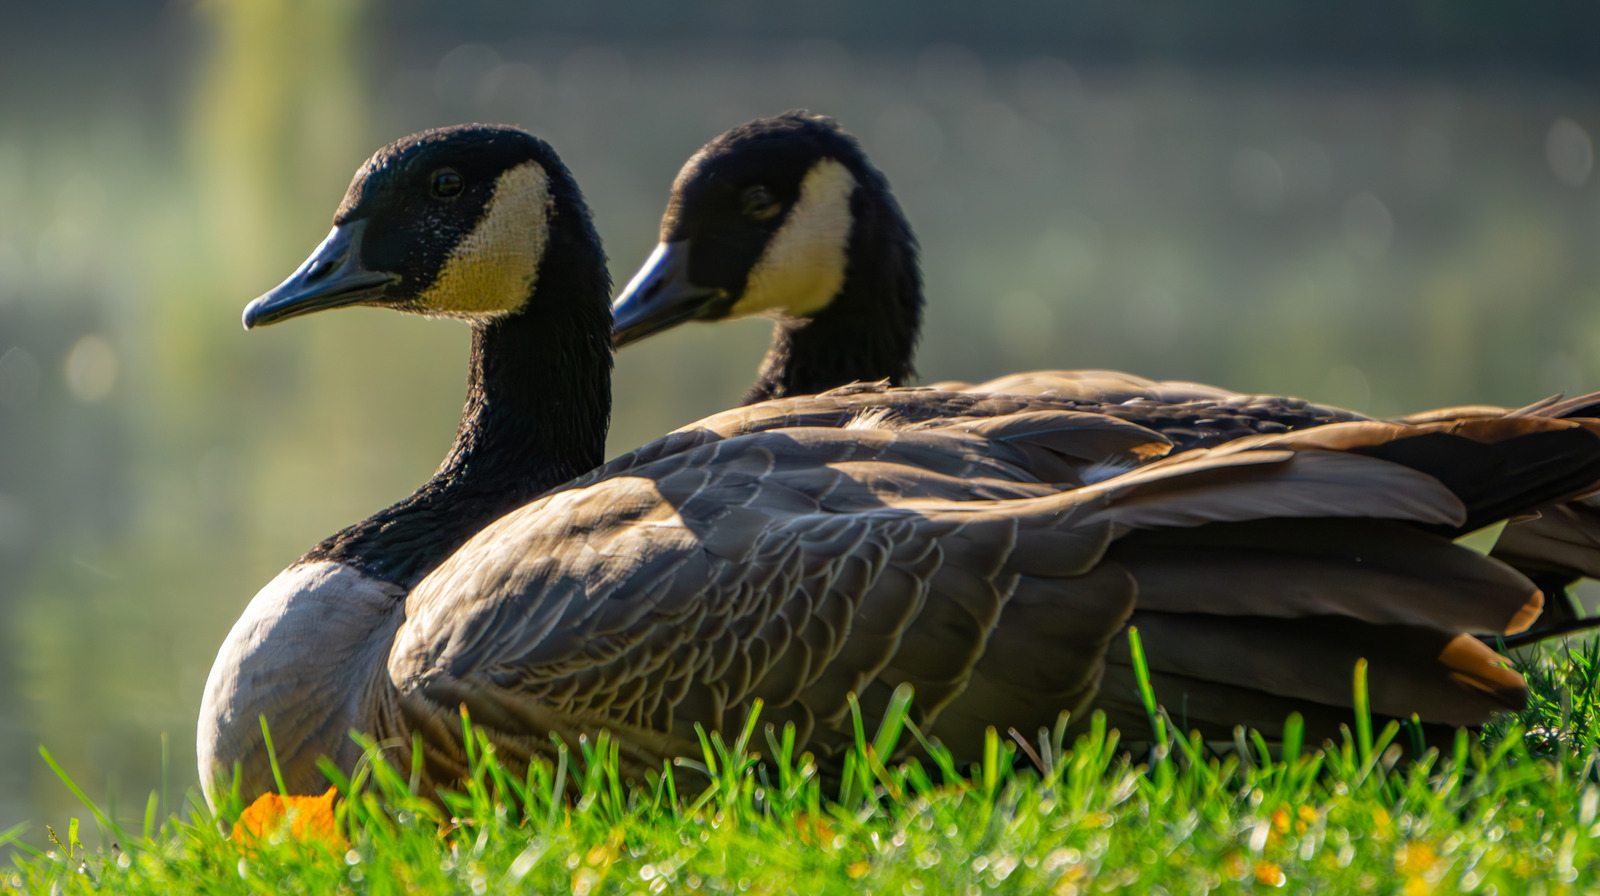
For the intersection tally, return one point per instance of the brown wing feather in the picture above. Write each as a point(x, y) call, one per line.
point(1555, 549)
point(799, 564)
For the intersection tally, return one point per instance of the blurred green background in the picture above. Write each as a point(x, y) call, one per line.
point(1385, 205)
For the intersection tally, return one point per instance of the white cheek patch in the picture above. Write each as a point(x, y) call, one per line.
point(492, 271)
point(803, 266)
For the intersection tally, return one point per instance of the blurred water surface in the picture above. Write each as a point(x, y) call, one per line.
point(1374, 234)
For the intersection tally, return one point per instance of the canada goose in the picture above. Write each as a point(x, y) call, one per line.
point(989, 549)
point(538, 399)
point(786, 217)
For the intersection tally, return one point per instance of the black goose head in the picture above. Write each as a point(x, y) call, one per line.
point(452, 222)
point(760, 222)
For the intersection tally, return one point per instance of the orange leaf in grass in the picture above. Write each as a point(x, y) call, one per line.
point(310, 819)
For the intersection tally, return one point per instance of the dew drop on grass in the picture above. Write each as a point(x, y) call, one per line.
point(1003, 868)
point(1258, 837)
point(524, 862)
point(1061, 858)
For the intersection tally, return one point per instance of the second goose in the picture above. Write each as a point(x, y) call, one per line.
point(786, 217)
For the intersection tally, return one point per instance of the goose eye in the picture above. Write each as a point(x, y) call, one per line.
point(446, 183)
point(758, 203)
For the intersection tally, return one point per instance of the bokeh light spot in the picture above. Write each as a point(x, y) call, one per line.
point(91, 368)
point(1570, 152)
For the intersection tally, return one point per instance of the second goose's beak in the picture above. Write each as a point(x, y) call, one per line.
point(660, 296)
point(331, 278)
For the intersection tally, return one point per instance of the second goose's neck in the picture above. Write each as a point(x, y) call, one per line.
point(538, 404)
point(869, 331)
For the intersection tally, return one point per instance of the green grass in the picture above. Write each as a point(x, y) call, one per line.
point(1515, 812)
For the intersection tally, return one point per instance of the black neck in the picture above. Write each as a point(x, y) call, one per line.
point(869, 331)
point(538, 403)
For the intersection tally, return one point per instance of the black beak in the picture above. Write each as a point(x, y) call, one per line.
point(331, 278)
point(660, 296)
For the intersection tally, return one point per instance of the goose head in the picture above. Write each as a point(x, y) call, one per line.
point(455, 222)
point(783, 217)
point(481, 223)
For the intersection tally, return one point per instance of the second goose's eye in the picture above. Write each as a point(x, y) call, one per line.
point(446, 183)
point(758, 202)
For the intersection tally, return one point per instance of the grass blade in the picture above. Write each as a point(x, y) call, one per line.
point(1363, 713)
point(272, 758)
point(100, 816)
point(1147, 692)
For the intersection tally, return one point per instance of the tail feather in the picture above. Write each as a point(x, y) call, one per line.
point(1268, 567)
point(1559, 547)
point(1515, 473)
point(1440, 676)
point(1377, 571)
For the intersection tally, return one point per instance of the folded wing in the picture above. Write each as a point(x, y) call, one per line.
point(798, 560)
